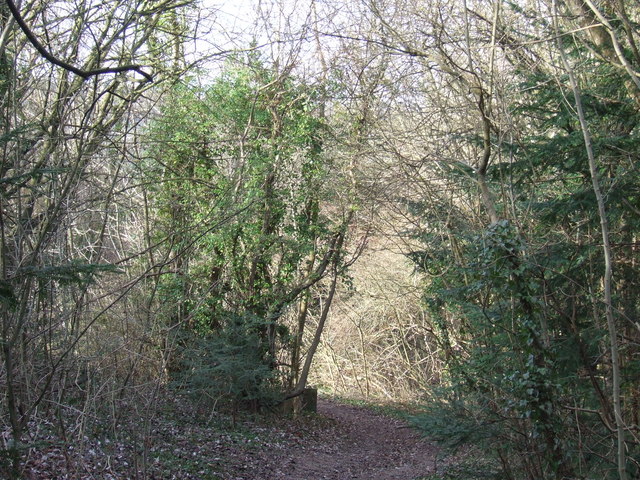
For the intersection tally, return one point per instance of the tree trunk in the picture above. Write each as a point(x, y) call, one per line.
point(608, 270)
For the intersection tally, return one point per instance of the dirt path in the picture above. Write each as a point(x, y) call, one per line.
point(355, 444)
point(342, 442)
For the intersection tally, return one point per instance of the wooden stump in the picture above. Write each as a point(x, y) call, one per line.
point(307, 401)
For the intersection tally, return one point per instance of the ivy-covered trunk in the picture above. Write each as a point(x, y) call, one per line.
point(259, 239)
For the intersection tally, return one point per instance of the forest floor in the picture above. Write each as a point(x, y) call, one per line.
point(343, 441)
point(351, 442)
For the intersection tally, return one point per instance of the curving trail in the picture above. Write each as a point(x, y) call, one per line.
point(359, 445)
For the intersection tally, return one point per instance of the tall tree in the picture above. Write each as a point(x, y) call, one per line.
point(245, 198)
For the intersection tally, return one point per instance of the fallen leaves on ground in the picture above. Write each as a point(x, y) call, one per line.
point(177, 443)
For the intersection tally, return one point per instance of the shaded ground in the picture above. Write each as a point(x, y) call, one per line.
point(176, 441)
point(354, 444)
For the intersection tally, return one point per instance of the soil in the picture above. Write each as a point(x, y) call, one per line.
point(176, 442)
point(353, 443)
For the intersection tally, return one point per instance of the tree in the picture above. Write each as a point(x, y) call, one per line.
point(246, 199)
point(70, 76)
point(495, 180)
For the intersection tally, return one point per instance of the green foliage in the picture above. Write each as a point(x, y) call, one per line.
point(476, 467)
point(243, 176)
point(450, 421)
point(74, 272)
point(517, 312)
point(228, 364)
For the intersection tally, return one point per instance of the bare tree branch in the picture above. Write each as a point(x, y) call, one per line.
point(56, 61)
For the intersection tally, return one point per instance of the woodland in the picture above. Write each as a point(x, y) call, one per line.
point(208, 206)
